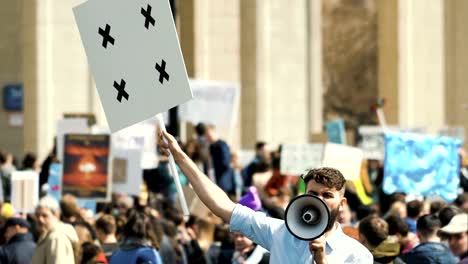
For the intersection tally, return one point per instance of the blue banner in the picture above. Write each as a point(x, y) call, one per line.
point(421, 165)
point(55, 181)
point(336, 131)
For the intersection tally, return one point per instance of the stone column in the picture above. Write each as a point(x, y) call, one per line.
point(281, 71)
point(11, 139)
point(55, 71)
point(456, 61)
point(416, 90)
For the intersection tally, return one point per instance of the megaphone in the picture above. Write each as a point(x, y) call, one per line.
point(307, 217)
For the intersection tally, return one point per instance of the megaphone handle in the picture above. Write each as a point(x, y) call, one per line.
point(173, 171)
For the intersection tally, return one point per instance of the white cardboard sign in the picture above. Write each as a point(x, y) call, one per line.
point(348, 160)
point(135, 58)
point(296, 159)
point(24, 190)
point(126, 171)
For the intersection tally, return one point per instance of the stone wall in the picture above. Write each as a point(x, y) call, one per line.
point(350, 60)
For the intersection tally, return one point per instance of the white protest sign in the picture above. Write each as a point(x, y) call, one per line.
point(214, 103)
point(347, 160)
point(372, 142)
point(453, 131)
point(126, 171)
point(296, 159)
point(135, 58)
point(69, 126)
point(24, 190)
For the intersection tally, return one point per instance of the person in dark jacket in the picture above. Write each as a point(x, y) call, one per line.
point(221, 159)
point(139, 243)
point(431, 250)
point(20, 246)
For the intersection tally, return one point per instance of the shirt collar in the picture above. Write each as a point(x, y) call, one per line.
point(334, 239)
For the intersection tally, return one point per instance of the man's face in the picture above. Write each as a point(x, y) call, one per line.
point(45, 219)
point(332, 198)
point(458, 243)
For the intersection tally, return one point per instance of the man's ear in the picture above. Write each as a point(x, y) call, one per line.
point(343, 202)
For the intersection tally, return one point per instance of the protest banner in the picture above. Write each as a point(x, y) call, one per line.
point(214, 103)
point(296, 159)
point(86, 170)
point(421, 165)
point(348, 160)
point(336, 131)
point(127, 173)
point(24, 190)
point(69, 126)
point(55, 181)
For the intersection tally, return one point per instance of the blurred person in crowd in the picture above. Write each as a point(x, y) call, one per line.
point(105, 232)
point(462, 202)
point(277, 180)
point(30, 162)
point(171, 250)
point(70, 214)
point(221, 160)
point(19, 247)
point(261, 177)
point(399, 228)
point(392, 204)
point(375, 172)
point(447, 213)
point(246, 251)
point(413, 209)
point(200, 130)
point(397, 208)
point(431, 250)
point(262, 155)
point(238, 181)
point(456, 232)
point(186, 236)
point(193, 150)
point(51, 158)
point(275, 206)
point(7, 167)
point(463, 171)
point(373, 234)
point(436, 207)
point(91, 253)
point(212, 253)
point(160, 181)
point(58, 241)
point(139, 243)
point(272, 234)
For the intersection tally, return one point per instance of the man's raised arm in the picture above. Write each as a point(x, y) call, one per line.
point(209, 193)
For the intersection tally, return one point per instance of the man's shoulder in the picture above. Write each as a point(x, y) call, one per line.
point(353, 246)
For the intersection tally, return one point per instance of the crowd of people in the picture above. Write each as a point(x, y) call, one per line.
point(245, 228)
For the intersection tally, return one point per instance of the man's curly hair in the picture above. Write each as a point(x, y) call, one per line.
point(332, 178)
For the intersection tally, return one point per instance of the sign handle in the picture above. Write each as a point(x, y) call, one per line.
point(173, 171)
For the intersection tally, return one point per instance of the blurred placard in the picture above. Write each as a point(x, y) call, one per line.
point(213, 102)
point(347, 160)
point(24, 190)
point(296, 159)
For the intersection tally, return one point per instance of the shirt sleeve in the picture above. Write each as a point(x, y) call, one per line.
point(254, 225)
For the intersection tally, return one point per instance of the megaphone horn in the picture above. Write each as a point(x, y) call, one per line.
point(307, 217)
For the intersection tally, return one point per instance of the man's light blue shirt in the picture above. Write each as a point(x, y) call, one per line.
point(273, 235)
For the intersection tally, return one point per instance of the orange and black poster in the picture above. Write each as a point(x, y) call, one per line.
point(86, 166)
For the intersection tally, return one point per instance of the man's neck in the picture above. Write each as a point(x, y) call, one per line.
point(332, 230)
point(109, 239)
point(434, 239)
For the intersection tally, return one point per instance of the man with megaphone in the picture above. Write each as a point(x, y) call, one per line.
point(310, 232)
